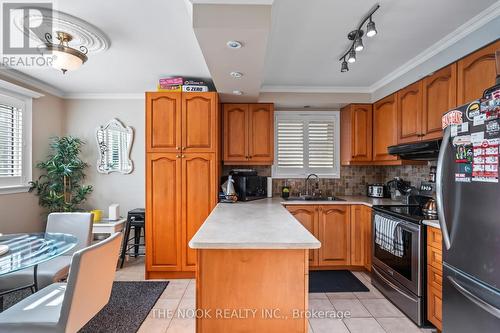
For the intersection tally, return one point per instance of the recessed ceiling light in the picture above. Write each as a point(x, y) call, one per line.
point(234, 44)
point(237, 92)
point(236, 75)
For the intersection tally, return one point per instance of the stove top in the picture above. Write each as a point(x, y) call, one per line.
point(413, 213)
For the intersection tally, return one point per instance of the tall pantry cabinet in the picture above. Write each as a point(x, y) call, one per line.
point(182, 168)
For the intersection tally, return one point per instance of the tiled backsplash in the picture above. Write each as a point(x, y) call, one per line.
point(353, 179)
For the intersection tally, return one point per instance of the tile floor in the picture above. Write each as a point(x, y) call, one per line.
point(370, 311)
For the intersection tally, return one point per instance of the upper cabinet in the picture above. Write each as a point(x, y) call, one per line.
point(384, 125)
point(439, 96)
point(356, 133)
point(248, 134)
point(409, 106)
point(181, 122)
point(476, 73)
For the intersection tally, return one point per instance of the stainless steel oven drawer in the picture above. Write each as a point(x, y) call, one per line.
point(410, 304)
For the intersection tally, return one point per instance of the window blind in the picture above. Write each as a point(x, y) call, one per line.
point(11, 141)
point(321, 144)
point(290, 135)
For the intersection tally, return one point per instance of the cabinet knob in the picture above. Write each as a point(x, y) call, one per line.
point(183, 148)
point(178, 148)
point(177, 156)
point(183, 156)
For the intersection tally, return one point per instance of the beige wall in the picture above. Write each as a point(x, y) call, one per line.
point(82, 118)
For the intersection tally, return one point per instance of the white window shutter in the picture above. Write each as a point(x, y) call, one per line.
point(11, 141)
point(320, 144)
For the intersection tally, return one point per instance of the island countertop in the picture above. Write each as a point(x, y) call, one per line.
point(263, 224)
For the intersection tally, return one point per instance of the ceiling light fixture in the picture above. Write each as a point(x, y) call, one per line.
point(236, 75)
point(356, 36)
point(65, 58)
point(234, 44)
point(237, 92)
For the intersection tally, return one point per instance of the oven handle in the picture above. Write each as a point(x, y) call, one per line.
point(392, 285)
point(412, 227)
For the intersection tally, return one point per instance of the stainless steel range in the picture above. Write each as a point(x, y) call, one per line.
point(398, 263)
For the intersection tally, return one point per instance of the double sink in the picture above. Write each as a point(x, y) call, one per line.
point(314, 198)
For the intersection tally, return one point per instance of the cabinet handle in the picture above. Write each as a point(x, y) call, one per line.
point(183, 156)
point(183, 148)
point(178, 148)
point(177, 156)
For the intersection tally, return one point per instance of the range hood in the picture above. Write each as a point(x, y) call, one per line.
point(425, 151)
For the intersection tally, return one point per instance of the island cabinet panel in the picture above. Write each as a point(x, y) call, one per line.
point(409, 105)
point(273, 283)
point(476, 72)
point(356, 123)
point(439, 96)
point(334, 235)
point(384, 125)
point(434, 277)
point(163, 122)
point(199, 178)
point(248, 134)
point(199, 122)
point(361, 233)
point(163, 212)
point(307, 215)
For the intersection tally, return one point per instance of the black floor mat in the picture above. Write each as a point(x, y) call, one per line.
point(334, 281)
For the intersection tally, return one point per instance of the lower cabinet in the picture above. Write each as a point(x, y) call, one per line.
point(434, 277)
point(343, 230)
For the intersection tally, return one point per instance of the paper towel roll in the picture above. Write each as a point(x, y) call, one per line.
point(269, 187)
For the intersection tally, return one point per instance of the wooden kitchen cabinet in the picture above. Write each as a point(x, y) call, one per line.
point(409, 106)
point(476, 72)
point(307, 215)
point(182, 165)
point(248, 134)
point(434, 277)
point(439, 96)
point(334, 235)
point(385, 119)
point(361, 236)
point(356, 124)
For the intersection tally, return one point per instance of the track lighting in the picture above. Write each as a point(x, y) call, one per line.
point(370, 29)
point(356, 36)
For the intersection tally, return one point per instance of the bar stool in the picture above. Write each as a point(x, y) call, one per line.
point(135, 220)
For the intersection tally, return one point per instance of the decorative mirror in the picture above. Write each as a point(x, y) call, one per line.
point(114, 142)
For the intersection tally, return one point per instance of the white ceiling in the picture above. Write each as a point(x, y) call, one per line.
point(308, 37)
point(150, 39)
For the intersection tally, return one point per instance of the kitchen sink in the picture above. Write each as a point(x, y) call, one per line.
point(312, 198)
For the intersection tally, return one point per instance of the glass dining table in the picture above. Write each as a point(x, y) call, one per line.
point(21, 251)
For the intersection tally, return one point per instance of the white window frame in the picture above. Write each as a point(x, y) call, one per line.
point(20, 97)
point(310, 116)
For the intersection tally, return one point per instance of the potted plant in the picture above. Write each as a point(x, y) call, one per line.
point(60, 188)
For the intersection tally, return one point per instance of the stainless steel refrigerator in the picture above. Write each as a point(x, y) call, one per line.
point(468, 197)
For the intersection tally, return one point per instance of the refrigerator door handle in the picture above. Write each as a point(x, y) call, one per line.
point(439, 188)
point(475, 299)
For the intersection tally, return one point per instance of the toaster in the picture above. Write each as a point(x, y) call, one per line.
point(377, 191)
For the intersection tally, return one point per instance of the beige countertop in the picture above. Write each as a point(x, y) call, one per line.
point(264, 224)
point(432, 223)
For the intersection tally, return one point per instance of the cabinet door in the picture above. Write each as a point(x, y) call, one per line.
point(261, 133)
point(384, 128)
point(410, 113)
point(163, 212)
point(439, 96)
point(476, 73)
point(334, 235)
point(163, 122)
point(360, 235)
point(361, 137)
point(199, 122)
point(435, 307)
point(199, 197)
point(308, 217)
point(235, 132)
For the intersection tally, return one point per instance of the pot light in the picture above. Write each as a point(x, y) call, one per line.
point(65, 58)
point(234, 44)
point(236, 75)
point(344, 67)
point(351, 58)
point(370, 29)
point(358, 44)
point(237, 92)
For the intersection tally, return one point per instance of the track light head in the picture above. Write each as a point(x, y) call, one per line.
point(358, 44)
point(351, 58)
point(344, 67)
point(370, 29)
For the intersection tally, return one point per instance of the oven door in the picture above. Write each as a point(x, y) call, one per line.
point(406, 267)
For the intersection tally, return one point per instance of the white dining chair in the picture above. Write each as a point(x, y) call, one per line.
point(67, 307)
point(56, 269)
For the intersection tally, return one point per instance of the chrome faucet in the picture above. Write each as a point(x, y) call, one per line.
point(308, 180)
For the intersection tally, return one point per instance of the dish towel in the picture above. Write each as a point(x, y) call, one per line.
point(389, 236)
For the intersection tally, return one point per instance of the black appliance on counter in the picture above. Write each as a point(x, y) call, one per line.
point(248, 185)
point(399, 257)
point(377, 191)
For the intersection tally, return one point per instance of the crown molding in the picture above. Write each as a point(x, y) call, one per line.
point(105, 96)
point(461, 32)
point(30, 81)
point(314, 89)
point(14, 88)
